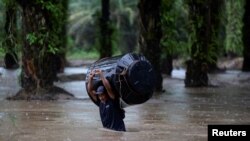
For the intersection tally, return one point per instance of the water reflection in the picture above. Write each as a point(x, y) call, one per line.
point(75, 87)
point(24, 119)
point(8, 82)
point(75, 70)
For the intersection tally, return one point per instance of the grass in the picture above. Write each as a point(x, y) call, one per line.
point(81, 54)
point(77, 54)
point(73, 55)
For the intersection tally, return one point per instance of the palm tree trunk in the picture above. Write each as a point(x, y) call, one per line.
point(41, 38)
point(150, 35)
point(106, 32)
point(197, 67)
point(37, 67)
point(215, 17)
point(246, 36)
point(11, 58)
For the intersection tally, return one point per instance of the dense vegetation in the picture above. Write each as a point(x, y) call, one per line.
point(45, 33)
point(82, 27)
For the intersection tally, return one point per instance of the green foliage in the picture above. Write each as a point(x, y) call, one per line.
point(202, 47)
point(207, 55)
point(1, 26)
point(15, 46)
point(9, 41)
point(46, 37)
point(48, 34)
point(83, 22)
point(83, 5)
point(76, 53)
point(114, 38)
point(82, 26)
point(31, 38)
point(52, 49)
point(174, 26)
point(1, 52)
point(41, 39)
point(9, 2)
point(177, 36)
point(234, 14)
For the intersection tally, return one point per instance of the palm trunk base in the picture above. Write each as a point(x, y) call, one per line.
point(196, 74)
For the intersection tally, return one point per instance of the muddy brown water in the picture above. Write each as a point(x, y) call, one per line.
point(178, 114)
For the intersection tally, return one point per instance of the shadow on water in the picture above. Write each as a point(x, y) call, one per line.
point(178, 114)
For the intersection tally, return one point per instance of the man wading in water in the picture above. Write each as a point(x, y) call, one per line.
point(110, 112)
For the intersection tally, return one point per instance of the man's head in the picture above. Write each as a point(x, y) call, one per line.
point(102, 93)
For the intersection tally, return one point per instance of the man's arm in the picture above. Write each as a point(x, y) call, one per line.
point(90, 86)
point(106, 84)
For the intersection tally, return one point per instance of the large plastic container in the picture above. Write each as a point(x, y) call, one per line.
point(131, 77)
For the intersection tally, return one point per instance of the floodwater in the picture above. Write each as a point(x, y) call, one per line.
point(178, 114)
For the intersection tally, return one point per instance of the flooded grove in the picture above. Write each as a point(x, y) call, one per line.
point(178, 114)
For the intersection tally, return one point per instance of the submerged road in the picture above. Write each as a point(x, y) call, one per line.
point(178, 114)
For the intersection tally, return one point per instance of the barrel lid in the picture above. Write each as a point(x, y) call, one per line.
point(141, 77)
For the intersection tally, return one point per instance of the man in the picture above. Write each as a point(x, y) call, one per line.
point(110, 112)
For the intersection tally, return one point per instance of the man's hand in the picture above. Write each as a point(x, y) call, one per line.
point(92, 73)
point(98, 71)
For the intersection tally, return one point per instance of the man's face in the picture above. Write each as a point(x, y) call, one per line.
point(103, 97)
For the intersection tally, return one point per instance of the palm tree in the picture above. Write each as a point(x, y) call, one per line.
point(197, 67)
point(42, 25)
point(246, 35)
point(150, 35)
point(106, 32)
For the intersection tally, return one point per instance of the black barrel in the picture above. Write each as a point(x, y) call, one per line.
point(131, 76)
